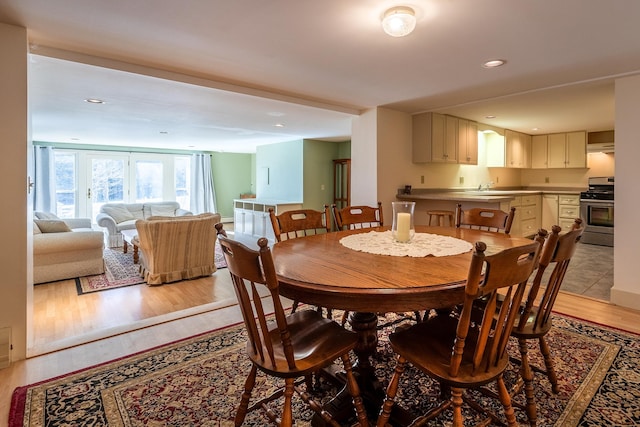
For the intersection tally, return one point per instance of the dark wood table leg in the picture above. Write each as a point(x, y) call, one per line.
point(341, 406)
point(135, 254)
point(125, 246)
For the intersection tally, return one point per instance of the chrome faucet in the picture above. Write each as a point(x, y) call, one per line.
point(486, 186)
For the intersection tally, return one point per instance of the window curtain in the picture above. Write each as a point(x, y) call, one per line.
point(44, 190)
point(203, 196)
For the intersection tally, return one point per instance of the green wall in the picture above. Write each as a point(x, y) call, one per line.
point(232, 176)
point(318, 173)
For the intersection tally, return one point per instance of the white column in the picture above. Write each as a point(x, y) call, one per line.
point(626, 291)
point(15, 263)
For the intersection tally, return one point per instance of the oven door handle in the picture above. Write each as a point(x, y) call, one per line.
point(596, 202)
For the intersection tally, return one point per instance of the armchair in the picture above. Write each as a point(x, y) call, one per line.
point(176, 248)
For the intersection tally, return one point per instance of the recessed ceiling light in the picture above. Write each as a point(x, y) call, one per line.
point(164, 132)
point(489, 117)
point(94, 101)
point(535, 129)
point(279, 125)
point(494, 63)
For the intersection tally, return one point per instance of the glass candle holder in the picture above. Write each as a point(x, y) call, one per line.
point(403, 229)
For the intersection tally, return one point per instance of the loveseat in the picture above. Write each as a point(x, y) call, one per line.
point(176, 248)
point(65, 249)
point(116, 217)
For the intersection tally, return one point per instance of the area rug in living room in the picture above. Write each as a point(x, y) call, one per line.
point(120, 271)
point(198, 381)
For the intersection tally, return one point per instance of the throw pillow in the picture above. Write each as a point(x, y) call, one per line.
point(52, 225)
point(45, 215)
point(118, 213)
point(163, 210)
point(36, 229)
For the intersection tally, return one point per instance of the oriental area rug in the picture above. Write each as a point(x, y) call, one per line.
point(120, 271)
point(198, 382)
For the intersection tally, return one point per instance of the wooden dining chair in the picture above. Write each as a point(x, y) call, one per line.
point(535, 321)
point(286, 347)
point(299, 223)
point(485, 219)
point(354, 217)
point(462, 354)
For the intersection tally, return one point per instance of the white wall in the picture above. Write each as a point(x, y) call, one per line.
point(626, 290)
point(15, 259)
point(364, 158)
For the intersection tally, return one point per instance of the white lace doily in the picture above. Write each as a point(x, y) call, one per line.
point(422, 244)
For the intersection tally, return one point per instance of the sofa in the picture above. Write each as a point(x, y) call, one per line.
point(65, 249)
point(116, 217)
point(176, 248)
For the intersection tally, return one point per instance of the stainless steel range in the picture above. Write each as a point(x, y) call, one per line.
point(596, 211)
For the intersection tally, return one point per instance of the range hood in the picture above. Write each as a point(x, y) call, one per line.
point(600, 142)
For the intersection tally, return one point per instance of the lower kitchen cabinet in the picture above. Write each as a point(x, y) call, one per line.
point(568, 210)
point(527, 218)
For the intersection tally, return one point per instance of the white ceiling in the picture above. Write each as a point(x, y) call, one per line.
point(242, 66)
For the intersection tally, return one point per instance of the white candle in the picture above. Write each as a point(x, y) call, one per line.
point(404, 223)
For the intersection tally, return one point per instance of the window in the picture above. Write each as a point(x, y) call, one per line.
point(85, 180)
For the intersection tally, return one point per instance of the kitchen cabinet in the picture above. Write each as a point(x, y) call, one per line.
point(517, 149)
point(539, 151)
point(549, 211)
point(440, 138)
point(251, 216)
point(527, 217)
point(568, 210)
point(434, 138)
point(530, 214)
point(467, 142)
point(567, 150)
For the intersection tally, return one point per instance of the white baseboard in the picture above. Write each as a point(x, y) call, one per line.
point(625, 298)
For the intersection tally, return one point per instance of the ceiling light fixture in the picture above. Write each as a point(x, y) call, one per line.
point(494, 63)
point(490, 117)
point(94, 101)
point(279, 125)
point(399, 21)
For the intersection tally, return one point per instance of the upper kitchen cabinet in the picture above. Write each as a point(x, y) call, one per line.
point(467, 142)
point(434, 138)
point(439, 138)
point(567, 150)
point(539, 151)
point(517, 149)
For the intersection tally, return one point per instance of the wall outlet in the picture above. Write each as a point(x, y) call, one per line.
point(546, 179)
point(462, 180)
point(421, 179)
point(322, 187)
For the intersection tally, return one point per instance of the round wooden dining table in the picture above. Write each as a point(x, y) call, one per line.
point(321, 271)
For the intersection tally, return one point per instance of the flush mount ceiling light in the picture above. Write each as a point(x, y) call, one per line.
point(494, 63)
point(399, 21)
point(94, 101)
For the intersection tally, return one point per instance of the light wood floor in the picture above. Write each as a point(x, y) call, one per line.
point(215, 315)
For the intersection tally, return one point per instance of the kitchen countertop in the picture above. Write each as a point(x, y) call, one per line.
point(487, 196)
